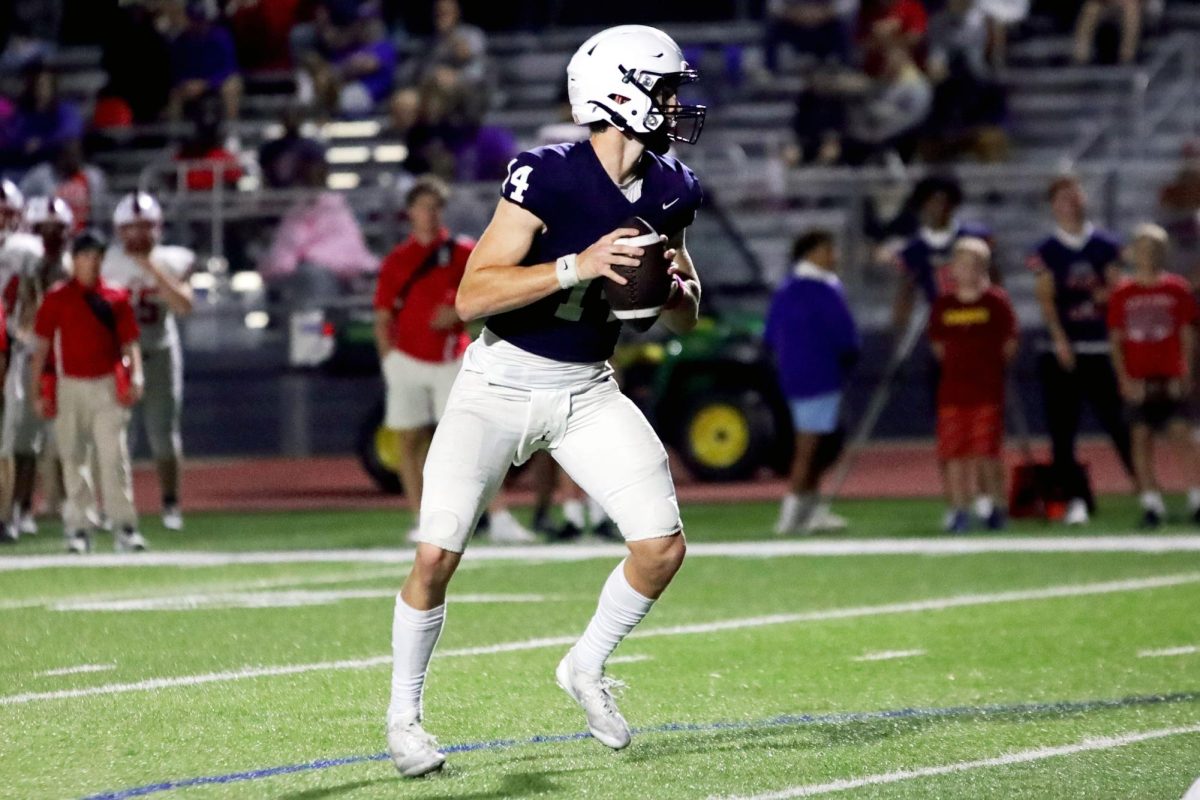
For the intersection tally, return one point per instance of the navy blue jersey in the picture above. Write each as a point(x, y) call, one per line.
point(924, 258)
point(1078, 268)
point(566, 187)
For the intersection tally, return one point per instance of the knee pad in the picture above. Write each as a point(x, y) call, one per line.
point(444, 529)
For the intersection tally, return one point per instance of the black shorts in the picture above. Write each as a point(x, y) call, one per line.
point(1159, 408)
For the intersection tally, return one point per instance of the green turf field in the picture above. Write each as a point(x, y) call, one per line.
point(978, 675)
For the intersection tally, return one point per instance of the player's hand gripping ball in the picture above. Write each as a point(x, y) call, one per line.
point(640, 300)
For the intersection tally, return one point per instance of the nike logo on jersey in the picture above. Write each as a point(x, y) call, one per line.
point(668, 205)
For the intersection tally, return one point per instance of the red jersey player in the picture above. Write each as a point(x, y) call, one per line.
point(974, 336)
point(1150, 321)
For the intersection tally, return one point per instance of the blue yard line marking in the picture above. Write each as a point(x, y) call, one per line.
point(784, 720)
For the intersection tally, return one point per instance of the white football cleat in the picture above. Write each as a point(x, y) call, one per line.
point(1077, 513)
point(79, 542)
point(172, 518)
point(824, 521)
point(505, 529)
point(129, 541)
point(413, 751)
point(594, 696)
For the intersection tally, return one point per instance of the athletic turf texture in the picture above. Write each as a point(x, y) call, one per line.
point(978, 668)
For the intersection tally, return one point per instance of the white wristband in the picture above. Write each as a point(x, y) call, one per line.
point(564, 269)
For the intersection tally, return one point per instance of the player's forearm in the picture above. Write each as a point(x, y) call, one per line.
point(1118, 356)
point(383, 342)
point(134, 352)
point(488, 291)
point(177, 295)
point(683, 318)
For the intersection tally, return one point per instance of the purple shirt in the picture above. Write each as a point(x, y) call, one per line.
point(204, 54)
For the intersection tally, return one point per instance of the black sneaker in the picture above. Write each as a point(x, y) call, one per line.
point(997, 520)
point(1151, 519)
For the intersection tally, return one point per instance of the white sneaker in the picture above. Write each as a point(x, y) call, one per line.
point(172, 518)
point(793, 510)
point(823, 520)
point(79, 542)
point(1077, 513)
point(129, 541)
point(26, 524)
point(505, 529)
point(413, 751)
point(594, 696)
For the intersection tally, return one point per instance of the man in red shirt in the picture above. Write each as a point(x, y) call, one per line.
point(1151, 320)
point(419, 336)
point(974, 335)
point(91, 325)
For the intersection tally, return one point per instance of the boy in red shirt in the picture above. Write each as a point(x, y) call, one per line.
point(974, 334)
point(1150, 323)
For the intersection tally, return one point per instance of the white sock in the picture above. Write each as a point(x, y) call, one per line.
point(620, 609)
point(1152, 501)
point(572, 511)
point(596, 512)
point(984, 506)
point(1194, 498)
point(414, 635)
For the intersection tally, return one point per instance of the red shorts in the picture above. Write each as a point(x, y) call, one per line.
point(970, 431)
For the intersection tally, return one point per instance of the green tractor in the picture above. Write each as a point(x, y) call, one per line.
point(712, 397)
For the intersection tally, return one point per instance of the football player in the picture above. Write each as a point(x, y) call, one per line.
point(1077, 267)
point(18, 250)
point(156, 277)
point(538, 377)
point(23, 434)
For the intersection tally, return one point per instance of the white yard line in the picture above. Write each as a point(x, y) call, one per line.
point(583, 552)
point(1187, 650)
point(633, 659)
point(79, 670)
point(1008, 759)
point(933, 604)
point(356, 576)
point(283, 599)
point(888, 655)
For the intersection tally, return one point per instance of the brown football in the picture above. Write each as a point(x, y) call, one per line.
point(639, 302)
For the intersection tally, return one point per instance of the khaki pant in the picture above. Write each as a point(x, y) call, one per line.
point(90, 416)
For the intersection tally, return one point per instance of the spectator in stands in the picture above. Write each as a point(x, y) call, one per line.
point(82, 185)
point(262, 32)
point(283, 160)
point(137, 59)
point(973, 330)
point(816, 29)
point(318, 251)
point(887, 118)
point(1094, 14)
point(1076, 268)
point(886, 24)
point(815, 343)
point(968, 101)
point(203, 157)
point(203, 60)
point(854, 118)
point(1151, 322)
point(348, 60)
point(42, 121)
point(456, 60)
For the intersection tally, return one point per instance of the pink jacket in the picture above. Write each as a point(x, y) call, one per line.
point(322, 232)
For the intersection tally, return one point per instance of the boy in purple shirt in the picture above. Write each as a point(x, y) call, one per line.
point(814, 341)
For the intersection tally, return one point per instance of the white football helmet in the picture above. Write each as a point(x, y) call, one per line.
point(137, 207)
point(626, 76)
point(47, 210)
point(12, 202)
